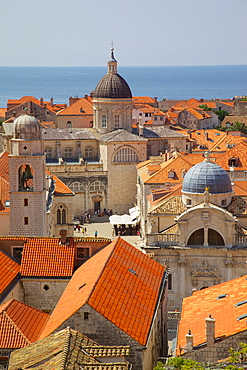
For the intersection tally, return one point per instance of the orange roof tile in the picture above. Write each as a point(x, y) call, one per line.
point(50, 106)
point(220, 301)
point(2, 112)
point(20, 324)
point(9, 269)
point(198, 113)
point(46, 257)
point(123, 286)
point(4, 165)
point(143, 100)
point(60, 187)
point(238, 152)
point(240, 188)
point(80, 107)
point(229, 104)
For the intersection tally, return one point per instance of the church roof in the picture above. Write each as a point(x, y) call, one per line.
point(68, 134)
point(121, 135)
point(206, 174)
point(123, 286)
point(159, 132)
point(112, 86)
point(20, 324)
point(225, 302)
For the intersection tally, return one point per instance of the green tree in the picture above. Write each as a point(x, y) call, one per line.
point(239, 356)
point(221, 114)
point(205, 107)
point(179, 363)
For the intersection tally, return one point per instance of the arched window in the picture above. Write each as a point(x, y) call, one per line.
point(69, 124)
point(96, 186)
point(214, 238)
point(61, 215)
point(126, 155)
point(48, 152)
point(25, 178)
point(88, 152)
point(77, 186)
point(68, 152)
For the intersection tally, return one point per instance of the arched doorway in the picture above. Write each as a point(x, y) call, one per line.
point(197, 238)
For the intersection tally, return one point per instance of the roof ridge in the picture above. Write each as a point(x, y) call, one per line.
point(65, 349)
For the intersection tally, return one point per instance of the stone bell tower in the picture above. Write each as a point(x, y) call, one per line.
point(27, 172)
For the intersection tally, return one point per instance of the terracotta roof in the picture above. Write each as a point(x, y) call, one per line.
point(80, 107)
point(60, 187)
point(198, 113)
point(229, 104)
point(162, 194)
point(2, 112)
point(225, 302)
point(20, 324)
point(177, 165)
point(46, 257)
point(123, 286)
point(46, 104)
point(238, 152)
point(193, 103)
point(4, 165)
point(240, 188)
point(143, 100)
point(9, 269)
point(69, 350)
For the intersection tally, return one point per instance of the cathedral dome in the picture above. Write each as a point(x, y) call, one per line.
point(27, 127)
point(206, 175)
point(112, 85)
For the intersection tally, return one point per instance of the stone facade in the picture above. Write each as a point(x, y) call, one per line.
point(215, 349)
point(95, 326)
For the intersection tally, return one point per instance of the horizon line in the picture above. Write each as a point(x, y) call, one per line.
point(128, 66)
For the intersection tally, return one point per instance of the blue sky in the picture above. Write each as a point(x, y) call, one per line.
point(145, 33)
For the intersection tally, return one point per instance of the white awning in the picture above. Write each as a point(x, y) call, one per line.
point(121, 220)
point(134, 213)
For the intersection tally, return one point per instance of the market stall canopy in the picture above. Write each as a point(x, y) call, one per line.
point(121, 220)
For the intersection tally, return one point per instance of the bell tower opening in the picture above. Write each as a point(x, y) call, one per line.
point(25, 178)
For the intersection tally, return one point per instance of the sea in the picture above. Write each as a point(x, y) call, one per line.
point(168, 82)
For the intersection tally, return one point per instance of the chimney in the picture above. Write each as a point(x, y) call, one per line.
point(201, 100)
point(51, 100)
point(85, 96)
point(189, 341)
point(206, 135)
point(210, 331)
point(63, 235)
point(41, 101)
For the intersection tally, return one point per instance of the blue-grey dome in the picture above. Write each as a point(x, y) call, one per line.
point(206, 174)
